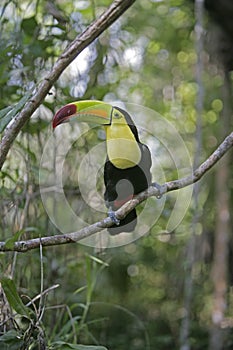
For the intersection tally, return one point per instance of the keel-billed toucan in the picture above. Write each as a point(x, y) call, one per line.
point(128, 163)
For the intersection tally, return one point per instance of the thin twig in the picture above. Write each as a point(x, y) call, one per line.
point(93, 31)
point(43, 293)
point(73, 237)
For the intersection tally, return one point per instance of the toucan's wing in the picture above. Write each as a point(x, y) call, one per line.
point(145, 164)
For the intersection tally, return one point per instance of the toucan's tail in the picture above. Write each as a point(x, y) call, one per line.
point(126, 225)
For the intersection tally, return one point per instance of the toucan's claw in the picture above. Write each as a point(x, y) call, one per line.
point(113, 217)
point(161, 189)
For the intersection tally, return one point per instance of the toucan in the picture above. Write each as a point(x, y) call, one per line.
point(128, 162)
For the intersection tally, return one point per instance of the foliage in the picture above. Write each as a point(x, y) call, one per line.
point(130, 297)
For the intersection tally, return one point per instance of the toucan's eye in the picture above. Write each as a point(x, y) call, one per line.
point(117, 115)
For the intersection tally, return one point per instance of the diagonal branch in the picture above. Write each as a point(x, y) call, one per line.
point(23, 246)
point(93, 31)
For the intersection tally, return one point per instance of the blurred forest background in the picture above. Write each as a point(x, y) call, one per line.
point(163, 291)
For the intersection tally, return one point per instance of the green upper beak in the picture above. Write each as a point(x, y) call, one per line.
point(91, 111)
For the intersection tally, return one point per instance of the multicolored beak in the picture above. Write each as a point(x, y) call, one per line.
point(89, 111)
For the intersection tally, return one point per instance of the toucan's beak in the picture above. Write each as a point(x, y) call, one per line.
point(91, 111)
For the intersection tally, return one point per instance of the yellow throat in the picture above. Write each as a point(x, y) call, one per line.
point(122, 148)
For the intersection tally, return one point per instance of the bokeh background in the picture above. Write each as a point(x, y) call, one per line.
point(167, 290)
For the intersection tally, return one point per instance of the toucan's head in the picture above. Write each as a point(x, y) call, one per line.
point(121, 133)
point(96, 112)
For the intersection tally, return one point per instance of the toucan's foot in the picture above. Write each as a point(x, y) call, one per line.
point(161, 189)
point(113, 217)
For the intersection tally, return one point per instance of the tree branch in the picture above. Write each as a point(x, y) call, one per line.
point(23, 246)
point(93, 31)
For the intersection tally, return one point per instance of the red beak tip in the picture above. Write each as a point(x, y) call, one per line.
point(63, 115)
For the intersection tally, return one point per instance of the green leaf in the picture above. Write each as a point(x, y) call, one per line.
point(79, 290)
point(29, 25)
point(4, 111)
point(5, 117)
point(89, 278)
point(9, 244)
point(11, 340)
point(99, 261)
point(8, 113)
point(13, 297)
point(67, 346)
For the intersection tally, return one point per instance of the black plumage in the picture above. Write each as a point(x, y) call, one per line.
point(122, 184)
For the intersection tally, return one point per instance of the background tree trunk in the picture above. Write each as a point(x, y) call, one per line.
point(222, 232)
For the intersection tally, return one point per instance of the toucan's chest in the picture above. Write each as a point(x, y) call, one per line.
point(138, 176)
point(122, 148)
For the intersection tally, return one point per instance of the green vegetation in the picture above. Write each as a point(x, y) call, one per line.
point(144, 294)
